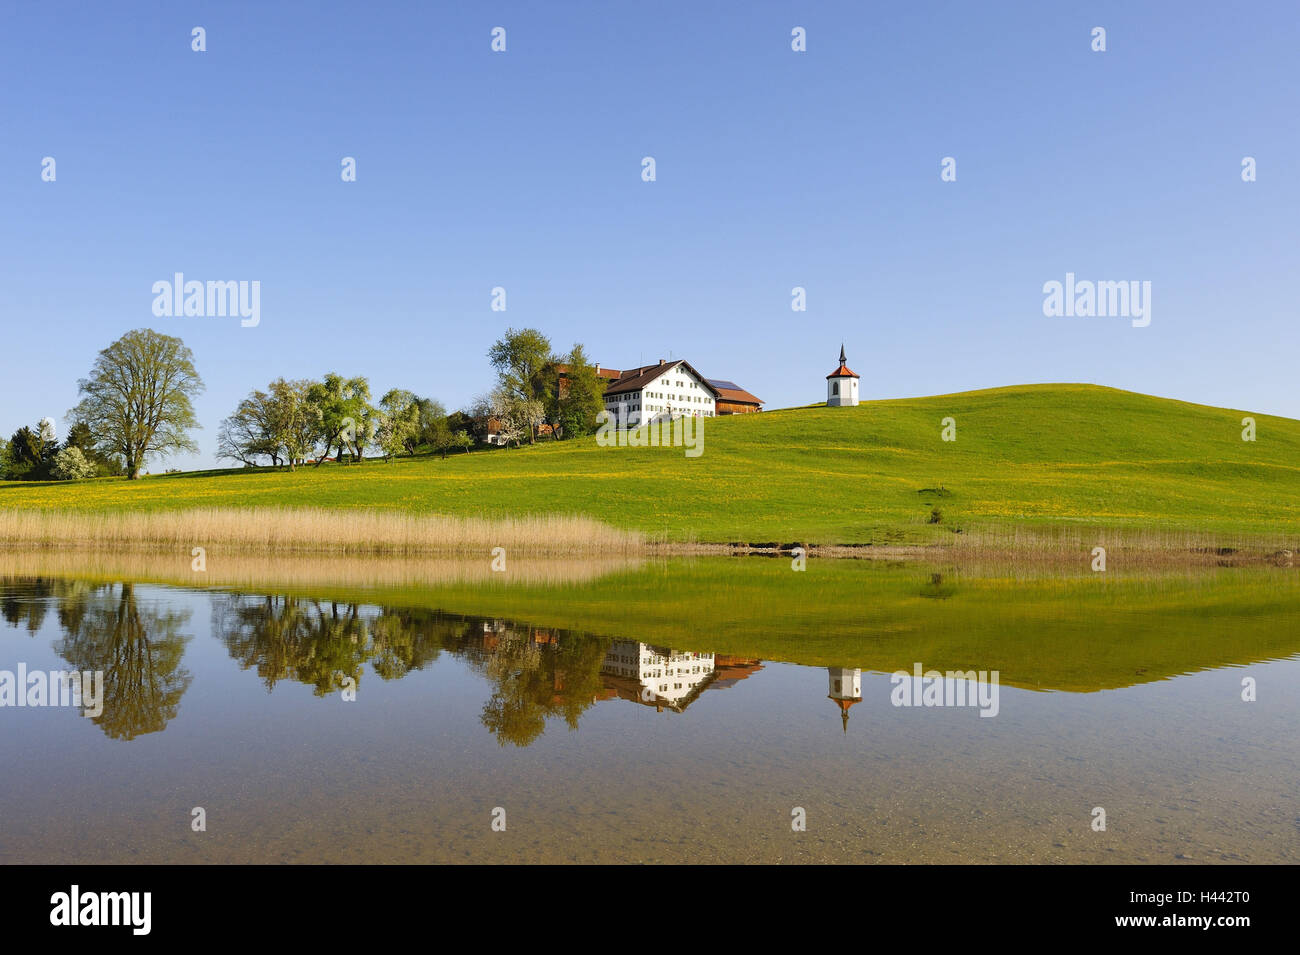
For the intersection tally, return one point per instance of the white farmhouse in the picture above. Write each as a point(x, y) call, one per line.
point(660, 392)
point(841, 386)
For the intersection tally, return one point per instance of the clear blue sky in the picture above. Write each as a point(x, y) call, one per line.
point(775, 169)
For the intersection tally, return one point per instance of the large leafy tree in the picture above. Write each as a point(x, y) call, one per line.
point(441, 438)
point(295, 420)
point(524, 365)
point(139, 398)
point(399, 422)
point(432, 418)
point(280, 423)
point(342, 409)
point(573, 408)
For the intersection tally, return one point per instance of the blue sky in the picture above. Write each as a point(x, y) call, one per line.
point(775, 169)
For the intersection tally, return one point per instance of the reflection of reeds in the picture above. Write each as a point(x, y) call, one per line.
point(1128, 547)
point(260, 571)
point(316, 531)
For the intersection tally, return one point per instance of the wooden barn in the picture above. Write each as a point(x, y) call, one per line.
point(733, 399)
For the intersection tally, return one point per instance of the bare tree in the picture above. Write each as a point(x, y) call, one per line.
point(249, 433)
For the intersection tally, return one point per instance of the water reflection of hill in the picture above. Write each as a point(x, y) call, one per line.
point(661, 635)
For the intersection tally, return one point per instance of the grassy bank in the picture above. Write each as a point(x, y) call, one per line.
point(1036, 457)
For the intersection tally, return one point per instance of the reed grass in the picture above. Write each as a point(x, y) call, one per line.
point(309, 571)
point(1137, 547)
point(336, 532)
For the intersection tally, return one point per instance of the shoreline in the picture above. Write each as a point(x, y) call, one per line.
point(364, 535)
point(1195, 556)
point(1053, 557)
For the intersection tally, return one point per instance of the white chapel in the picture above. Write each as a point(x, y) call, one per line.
point(841, 386)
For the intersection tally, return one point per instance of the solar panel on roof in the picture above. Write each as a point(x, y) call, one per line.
point(719, 383)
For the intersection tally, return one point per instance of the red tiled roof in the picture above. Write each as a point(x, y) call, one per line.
point(843, 372)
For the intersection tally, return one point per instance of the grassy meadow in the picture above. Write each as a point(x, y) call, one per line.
point(1032, 457)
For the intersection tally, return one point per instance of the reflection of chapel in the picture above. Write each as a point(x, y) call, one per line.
point(846, 689)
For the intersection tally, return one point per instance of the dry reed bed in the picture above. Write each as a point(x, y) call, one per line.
point(339, 532)
point(257, 572)
point(343, 533)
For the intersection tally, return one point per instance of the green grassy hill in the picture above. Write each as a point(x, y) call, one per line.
point(1041, 455)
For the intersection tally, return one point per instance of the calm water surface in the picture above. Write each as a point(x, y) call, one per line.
point(617, 746)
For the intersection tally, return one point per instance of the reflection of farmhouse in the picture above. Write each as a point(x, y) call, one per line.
point(656, 676)
point(728, 671)
point(666, 678)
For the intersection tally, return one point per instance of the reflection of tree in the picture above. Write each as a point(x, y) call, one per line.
point(138, 649)
point(26, 600)
point(75, 598)
point(321, 643)
point(407, 640)
point(291, 638)
point(536, 675)
point(540, 675)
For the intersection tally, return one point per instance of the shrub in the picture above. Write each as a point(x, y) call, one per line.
point(71, 465)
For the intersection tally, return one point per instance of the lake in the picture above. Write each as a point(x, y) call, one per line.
point(683, 710)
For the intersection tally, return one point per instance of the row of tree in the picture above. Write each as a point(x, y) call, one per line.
point(139, 646)
point(138, 402)
point(36, 454)
point(293, 422)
